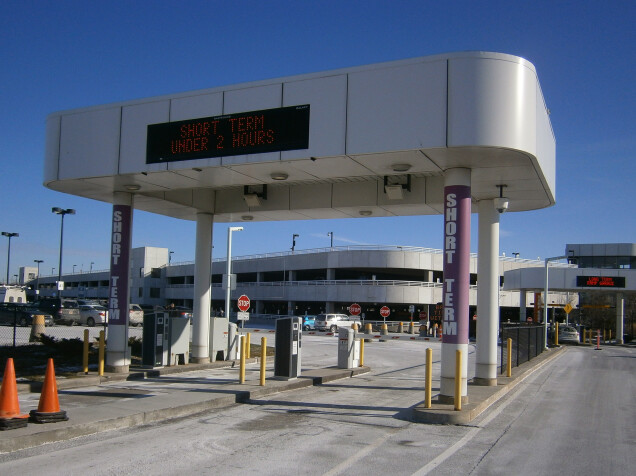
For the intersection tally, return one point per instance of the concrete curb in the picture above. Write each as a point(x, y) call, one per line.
point(481, 397)
point(84, 421)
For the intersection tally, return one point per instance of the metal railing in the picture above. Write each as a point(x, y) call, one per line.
point(528, 341)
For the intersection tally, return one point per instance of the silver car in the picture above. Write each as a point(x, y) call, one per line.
point(568, 334)
point(136, 315)
point(91, 314)
point(332, 322)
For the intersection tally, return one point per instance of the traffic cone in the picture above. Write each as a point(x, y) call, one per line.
point(49, 407)
point(10, 416)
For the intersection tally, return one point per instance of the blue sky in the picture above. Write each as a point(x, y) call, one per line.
point(69, 54)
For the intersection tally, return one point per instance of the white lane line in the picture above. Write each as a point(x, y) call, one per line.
point(361, 454)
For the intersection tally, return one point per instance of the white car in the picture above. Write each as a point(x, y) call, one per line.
point(91, 314)
point(332, 322)
point(136, 315)
point(568, 334)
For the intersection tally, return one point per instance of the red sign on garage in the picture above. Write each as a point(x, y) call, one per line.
point(385, 311)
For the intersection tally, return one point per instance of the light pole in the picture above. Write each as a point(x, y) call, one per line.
point(62, 212)
point(545, 297)
point(170, 257)
point(331, 235)
point(37, 277)
point(9, 235)
point(294, 236)
point(228, 268)
point(91, 268)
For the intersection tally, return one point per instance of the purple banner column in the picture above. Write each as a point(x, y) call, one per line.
point(119, 266)
point(457, 208)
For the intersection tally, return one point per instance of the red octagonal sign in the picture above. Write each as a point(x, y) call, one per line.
point(355, 309)
point(385, 311)
point(243, 303)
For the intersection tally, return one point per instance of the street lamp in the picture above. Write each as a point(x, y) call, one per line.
point(229, 268)
point(170, 253)
point(37, 277)
point(331, 235)
point(294, 236)
point(9, 235)
point(74, 266)
point(545, 296)
point(61, 211)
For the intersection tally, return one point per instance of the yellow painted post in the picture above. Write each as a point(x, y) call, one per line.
point(385, 330)
point(100, 364)
point(401, 328)
point(354, 326)
point(263, 359)
point(458, 380)
point(411, 328)
point(429, 378)
point(610, 335)
point(242, 366)
point(509, 359)
point(604, 335)
point(248, 348)
point(361, 352)
point(85, 359)
point(556, 334)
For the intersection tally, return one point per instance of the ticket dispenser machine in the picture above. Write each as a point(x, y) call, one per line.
point(288, 348)
point(219, 338)
point(348, 349)
point(155, 341)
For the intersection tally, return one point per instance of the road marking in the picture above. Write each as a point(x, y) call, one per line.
point(361, 454)
point(424, 470)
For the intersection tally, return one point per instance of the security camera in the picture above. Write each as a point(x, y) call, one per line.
point(501, 204)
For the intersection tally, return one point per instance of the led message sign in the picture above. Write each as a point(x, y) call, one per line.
point(255, 132)
point(600, 281)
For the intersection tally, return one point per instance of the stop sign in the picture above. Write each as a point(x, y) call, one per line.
point(243, 303)
point(385, 311)
point(355, 309)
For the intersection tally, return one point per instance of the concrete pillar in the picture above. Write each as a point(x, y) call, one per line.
point(523, 305)
point(487, 294)
point(428, 276)
point(202, 289)
point(620, 312)
point(117, 358)
point(457, 208)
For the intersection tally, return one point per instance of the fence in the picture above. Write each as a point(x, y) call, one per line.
point(528, 341)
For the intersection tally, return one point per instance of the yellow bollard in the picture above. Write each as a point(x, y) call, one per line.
point(354, 326)
point(604, 335)
point(556, 335)
point(248, 348)
point(509, 359)
point(263, 359)
point(361, 352)
point(100, 364)
point(610, 335)
point(401, 328)
point(458, 380)
point(411, 328)
point(429, 378)
point(368, 329)
point(385, 330)
point(85, 359)
point(242, 367)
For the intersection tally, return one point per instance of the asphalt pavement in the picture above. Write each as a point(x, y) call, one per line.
point(95, 404)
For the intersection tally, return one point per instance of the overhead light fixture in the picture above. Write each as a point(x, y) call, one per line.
point(132, 187)
point(279, 176)
point(365, 213)
point(247, 218)
point(401, 167)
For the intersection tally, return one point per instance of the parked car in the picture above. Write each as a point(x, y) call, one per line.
point(332, 322)
point(309, 323)
point(136, 315)
point(21, 314)
point(64, 311)
point(91, 314)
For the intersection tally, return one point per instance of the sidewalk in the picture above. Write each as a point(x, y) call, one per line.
point(94, 404)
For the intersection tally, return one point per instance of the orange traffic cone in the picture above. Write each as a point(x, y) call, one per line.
point(10, 416)
point(49, 407)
